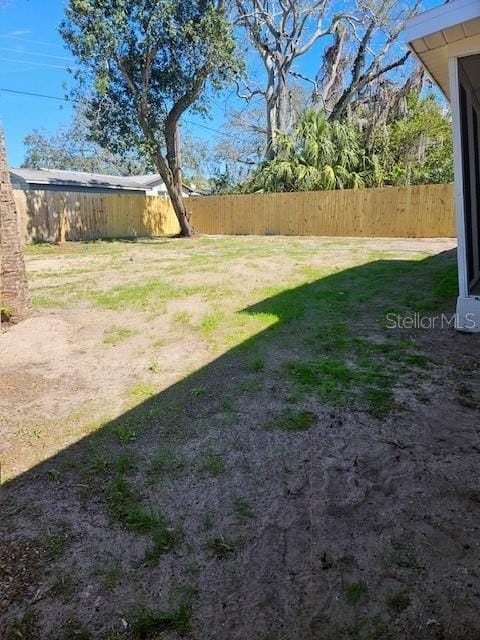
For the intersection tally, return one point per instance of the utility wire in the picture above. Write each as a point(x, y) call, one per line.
point(38, 95)
point(35, 53)
point(36, 64)
point(73, 100)
point(22, 39)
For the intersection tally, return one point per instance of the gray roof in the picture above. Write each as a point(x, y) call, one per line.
point(83, 179)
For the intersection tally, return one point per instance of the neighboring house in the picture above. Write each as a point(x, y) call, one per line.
point(55, 180)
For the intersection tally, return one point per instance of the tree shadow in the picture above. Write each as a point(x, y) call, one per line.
point(288, 424)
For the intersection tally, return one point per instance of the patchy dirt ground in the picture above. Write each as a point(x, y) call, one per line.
point(225, 439)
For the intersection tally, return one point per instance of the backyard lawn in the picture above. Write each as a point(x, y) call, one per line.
point(225, 439)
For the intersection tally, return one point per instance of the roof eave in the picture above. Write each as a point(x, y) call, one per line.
point(443, 17)
point(432, 77)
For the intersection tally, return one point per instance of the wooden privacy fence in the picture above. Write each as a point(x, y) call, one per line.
point(414, 212)
point(57, 216)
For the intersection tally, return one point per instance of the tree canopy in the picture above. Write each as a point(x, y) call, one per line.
point(330, 97)
point(414, 147)
point(319, 155)
point(142, 65)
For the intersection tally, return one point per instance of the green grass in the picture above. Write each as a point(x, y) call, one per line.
point(257, 364)
point(398, 601)
point(125, 463)
point(126, 509)
point(54, 474)
point(331, 379)
point(380, 401)
point(148, 624)
point(351, 369)
point(148, 296)
point(163, 539)
point(208, 521)
point(114, 335)
point(112, 575)
point(154, 366)
point(64, 294)
point(99, 465)
point(355, 591)
point(26, 626)
point(199, 391)
point(125, 433)
point(141, 391)
point(211, 463)
point(312, 334)
point(57, 541)
point(63, 587)
point(243, 510)
point(224, 546)
point(182, 318)
point(167, 462)
point(211, 322)
point(5, 313)
point(289, 420)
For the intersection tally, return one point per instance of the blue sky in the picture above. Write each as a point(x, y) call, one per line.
point(33, 58)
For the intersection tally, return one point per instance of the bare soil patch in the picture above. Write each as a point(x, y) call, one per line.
point(223, 439)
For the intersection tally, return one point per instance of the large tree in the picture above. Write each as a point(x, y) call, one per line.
point(282, 31)
point(143, 64)
point(70, 148)
point(359, 45)
point(363, 52)
point(14, 295)
point(417, 143)
point(244, 147)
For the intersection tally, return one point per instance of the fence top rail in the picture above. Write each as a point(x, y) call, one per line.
point(319, 193)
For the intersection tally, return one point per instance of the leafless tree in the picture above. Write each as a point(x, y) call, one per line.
point(244, 149)
point(364, 51)
point(282, 31)
point(384, 98)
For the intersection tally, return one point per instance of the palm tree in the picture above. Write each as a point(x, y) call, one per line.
point(318, 155)
point(14, 296)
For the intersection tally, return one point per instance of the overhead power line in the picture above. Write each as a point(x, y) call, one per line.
point(11, 36)
point(37, 95)
point(35, 53)
point(73, 100)
point(36, 64)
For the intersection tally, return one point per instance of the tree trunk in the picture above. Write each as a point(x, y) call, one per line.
point(175, 194)
point(271, 111)
point(173, 177)
point(181, 212)
point(14, 296)
point(271, 130)
point(282, 102)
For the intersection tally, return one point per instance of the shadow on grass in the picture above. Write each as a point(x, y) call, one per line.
point(328, 349)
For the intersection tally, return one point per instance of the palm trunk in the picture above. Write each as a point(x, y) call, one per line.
point(14, 296)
